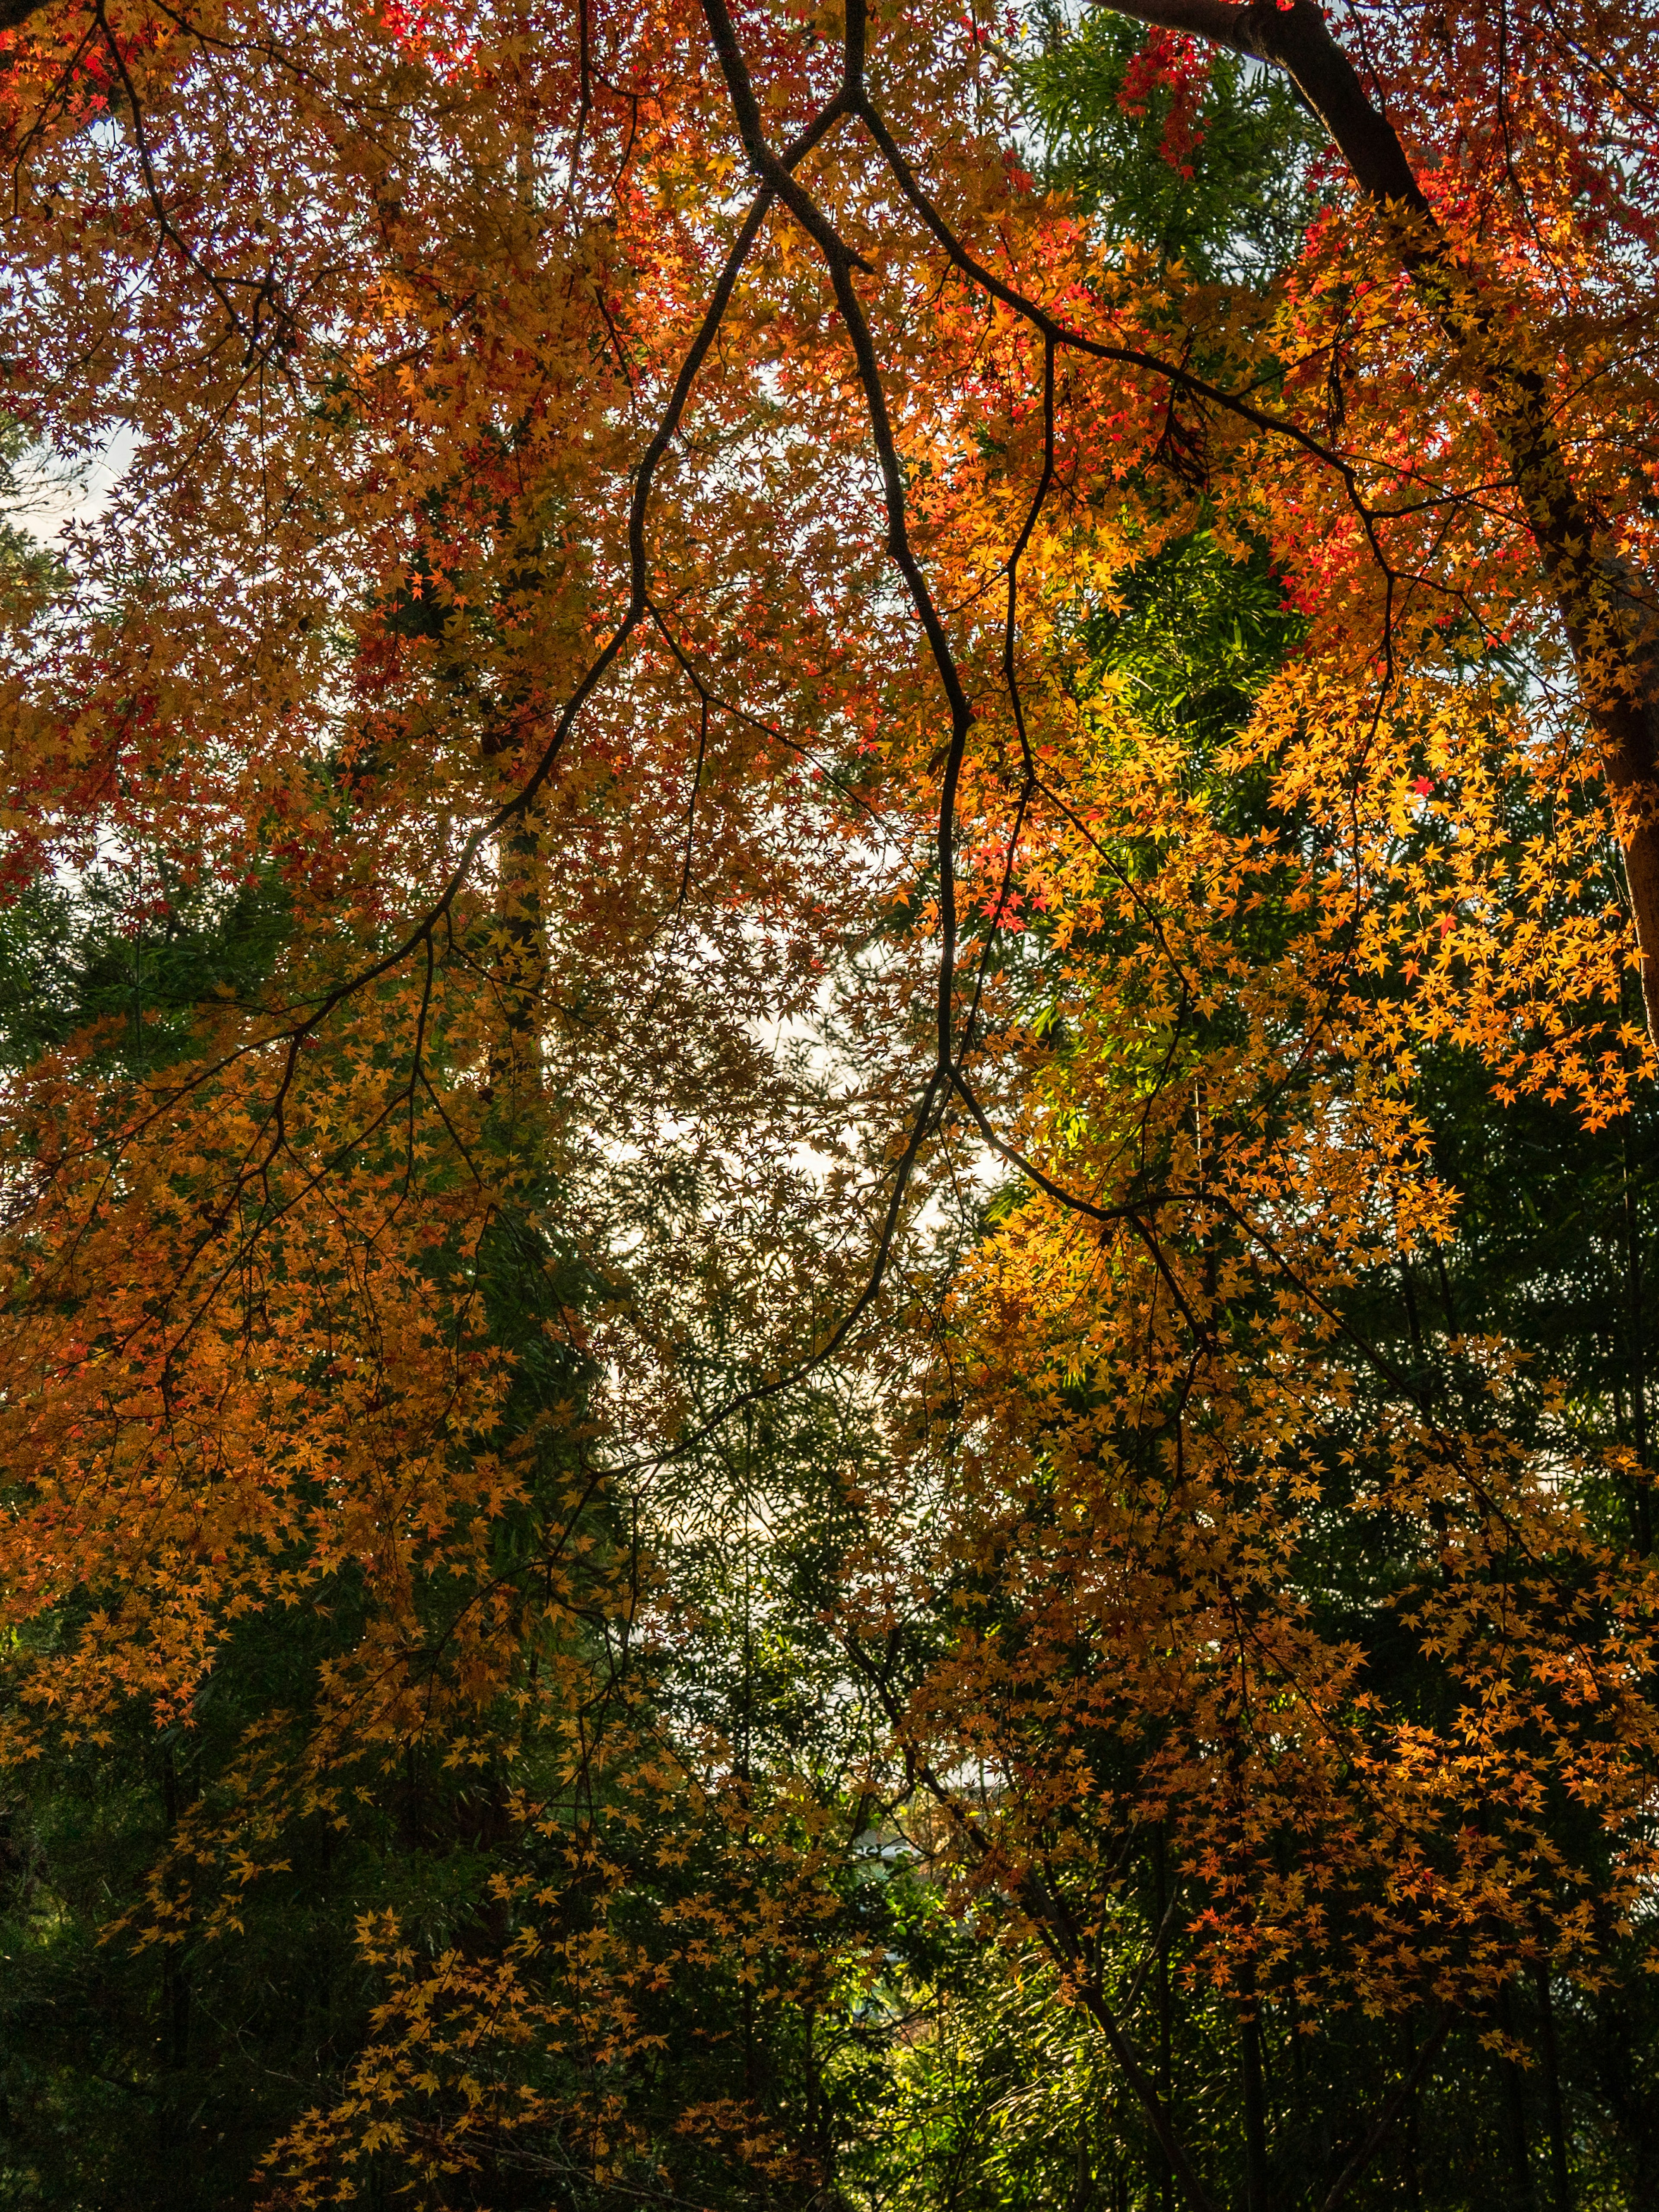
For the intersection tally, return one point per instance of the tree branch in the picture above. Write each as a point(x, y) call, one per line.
point(1610, 630)
point(1390, 2112)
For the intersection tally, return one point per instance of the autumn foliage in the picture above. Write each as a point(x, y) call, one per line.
point(795, 850)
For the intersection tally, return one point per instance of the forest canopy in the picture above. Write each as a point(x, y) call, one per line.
point(829, 969)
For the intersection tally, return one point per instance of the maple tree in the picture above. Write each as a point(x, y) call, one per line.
point(743, 837)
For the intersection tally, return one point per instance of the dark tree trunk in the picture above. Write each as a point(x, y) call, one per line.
point(1255, 2116)
point(1560, 2178)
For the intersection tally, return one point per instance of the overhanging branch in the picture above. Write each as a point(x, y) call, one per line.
point(1610, 637)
